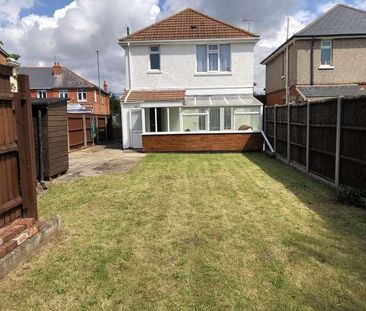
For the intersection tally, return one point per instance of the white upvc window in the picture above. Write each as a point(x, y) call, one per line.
point(155, 58)
point(64, 94)
point(247, 118)
point(82, 95)
point(41, 94)
point(213, 58)
point(326, 53)
point(195, 119)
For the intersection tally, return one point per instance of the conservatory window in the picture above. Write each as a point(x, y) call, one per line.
point(247, 118)
point(194, 120)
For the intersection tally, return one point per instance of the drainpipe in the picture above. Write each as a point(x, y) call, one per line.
point(312, 62)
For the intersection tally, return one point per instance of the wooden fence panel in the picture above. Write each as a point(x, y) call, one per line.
point(17, 160)
point(78, 134)
point(322, 141)
point(281, 131)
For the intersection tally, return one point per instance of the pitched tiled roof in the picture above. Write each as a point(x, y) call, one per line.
point(43, 78)
point(341, 20)
point(153, 96)
point(187, 25)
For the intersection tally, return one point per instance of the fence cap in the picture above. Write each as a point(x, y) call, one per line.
point(44, 102)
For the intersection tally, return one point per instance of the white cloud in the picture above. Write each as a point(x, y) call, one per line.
point(75, 32)
point(10, 9)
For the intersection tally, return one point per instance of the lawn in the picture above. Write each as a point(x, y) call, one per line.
point(196, 232)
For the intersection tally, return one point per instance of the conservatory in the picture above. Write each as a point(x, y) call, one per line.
point(197, 123)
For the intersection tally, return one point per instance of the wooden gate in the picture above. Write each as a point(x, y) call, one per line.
point(17, 159)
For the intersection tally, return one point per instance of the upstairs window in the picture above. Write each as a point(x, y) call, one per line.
point(213, 58)
point(326, 53)
point(64, 94)
point(41, 94)
point(154, 58)
point(82, 95)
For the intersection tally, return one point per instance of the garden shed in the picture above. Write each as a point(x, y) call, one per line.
point(50, 136)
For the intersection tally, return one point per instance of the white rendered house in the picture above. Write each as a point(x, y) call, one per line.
point(190, 87)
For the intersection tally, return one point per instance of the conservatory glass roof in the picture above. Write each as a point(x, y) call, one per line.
point(221, 101)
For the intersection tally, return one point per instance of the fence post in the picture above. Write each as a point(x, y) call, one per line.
point(264, 125)
point(275, 128)
point(27, 159)
point(106, 128)
point(97, 129)
point(338, 142)
point(307, 136)
point(84, 132)
point(288, 132)
point(68, 134)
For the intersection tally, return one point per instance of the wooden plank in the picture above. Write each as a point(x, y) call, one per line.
point(8, 148)
point(4, 207)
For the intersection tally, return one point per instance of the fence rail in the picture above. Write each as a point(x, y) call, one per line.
point(324, 138)
point(17, 159)
point(80, 127)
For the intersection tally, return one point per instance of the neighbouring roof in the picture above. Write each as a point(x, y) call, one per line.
point(153, 96)
point(43, 78)
point(2, 51)
point(188, 24)
point(352, 90)
point(341, 20)
point(48, 101)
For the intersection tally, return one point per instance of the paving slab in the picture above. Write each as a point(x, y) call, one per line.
point(99, 160)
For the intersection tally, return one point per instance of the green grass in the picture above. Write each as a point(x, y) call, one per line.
point(196, 232)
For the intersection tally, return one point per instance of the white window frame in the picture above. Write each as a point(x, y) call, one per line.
point(39, 92)
point(82, 91)
point(156, 53)
point(236, 113)
point(330, 47)
point(217, 52)
point(208, 52)
point(64, 91)
point(197, 114)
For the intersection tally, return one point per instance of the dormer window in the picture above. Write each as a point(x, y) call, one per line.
point(213, 58)
point(154, 58)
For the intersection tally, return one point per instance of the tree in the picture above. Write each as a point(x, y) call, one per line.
point(115, 105)
point(14, 56)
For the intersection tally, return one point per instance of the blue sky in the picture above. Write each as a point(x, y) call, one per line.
point(45, 7)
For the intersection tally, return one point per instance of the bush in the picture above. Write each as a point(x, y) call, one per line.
point(351, 196)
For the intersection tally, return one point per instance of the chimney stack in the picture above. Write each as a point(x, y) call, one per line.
point(56, 69)
point(105, 86)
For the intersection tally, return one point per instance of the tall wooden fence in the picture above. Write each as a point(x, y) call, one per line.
point(17, 159)
point(325, 138)
point(79, 128)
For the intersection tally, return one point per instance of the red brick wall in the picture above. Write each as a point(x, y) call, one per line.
point(90, 103)
point(235, 142)
point(279, 97)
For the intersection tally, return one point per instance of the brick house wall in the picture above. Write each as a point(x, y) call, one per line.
point(90, 103)
point(230, 142)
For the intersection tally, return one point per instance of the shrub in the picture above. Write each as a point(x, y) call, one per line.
point(351, 196)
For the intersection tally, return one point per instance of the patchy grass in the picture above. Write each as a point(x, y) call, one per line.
point(202, 232)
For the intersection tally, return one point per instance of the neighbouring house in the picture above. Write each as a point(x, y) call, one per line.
point(60, 82)
point(6, 59)
point(325, 59)
point(190, 87)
